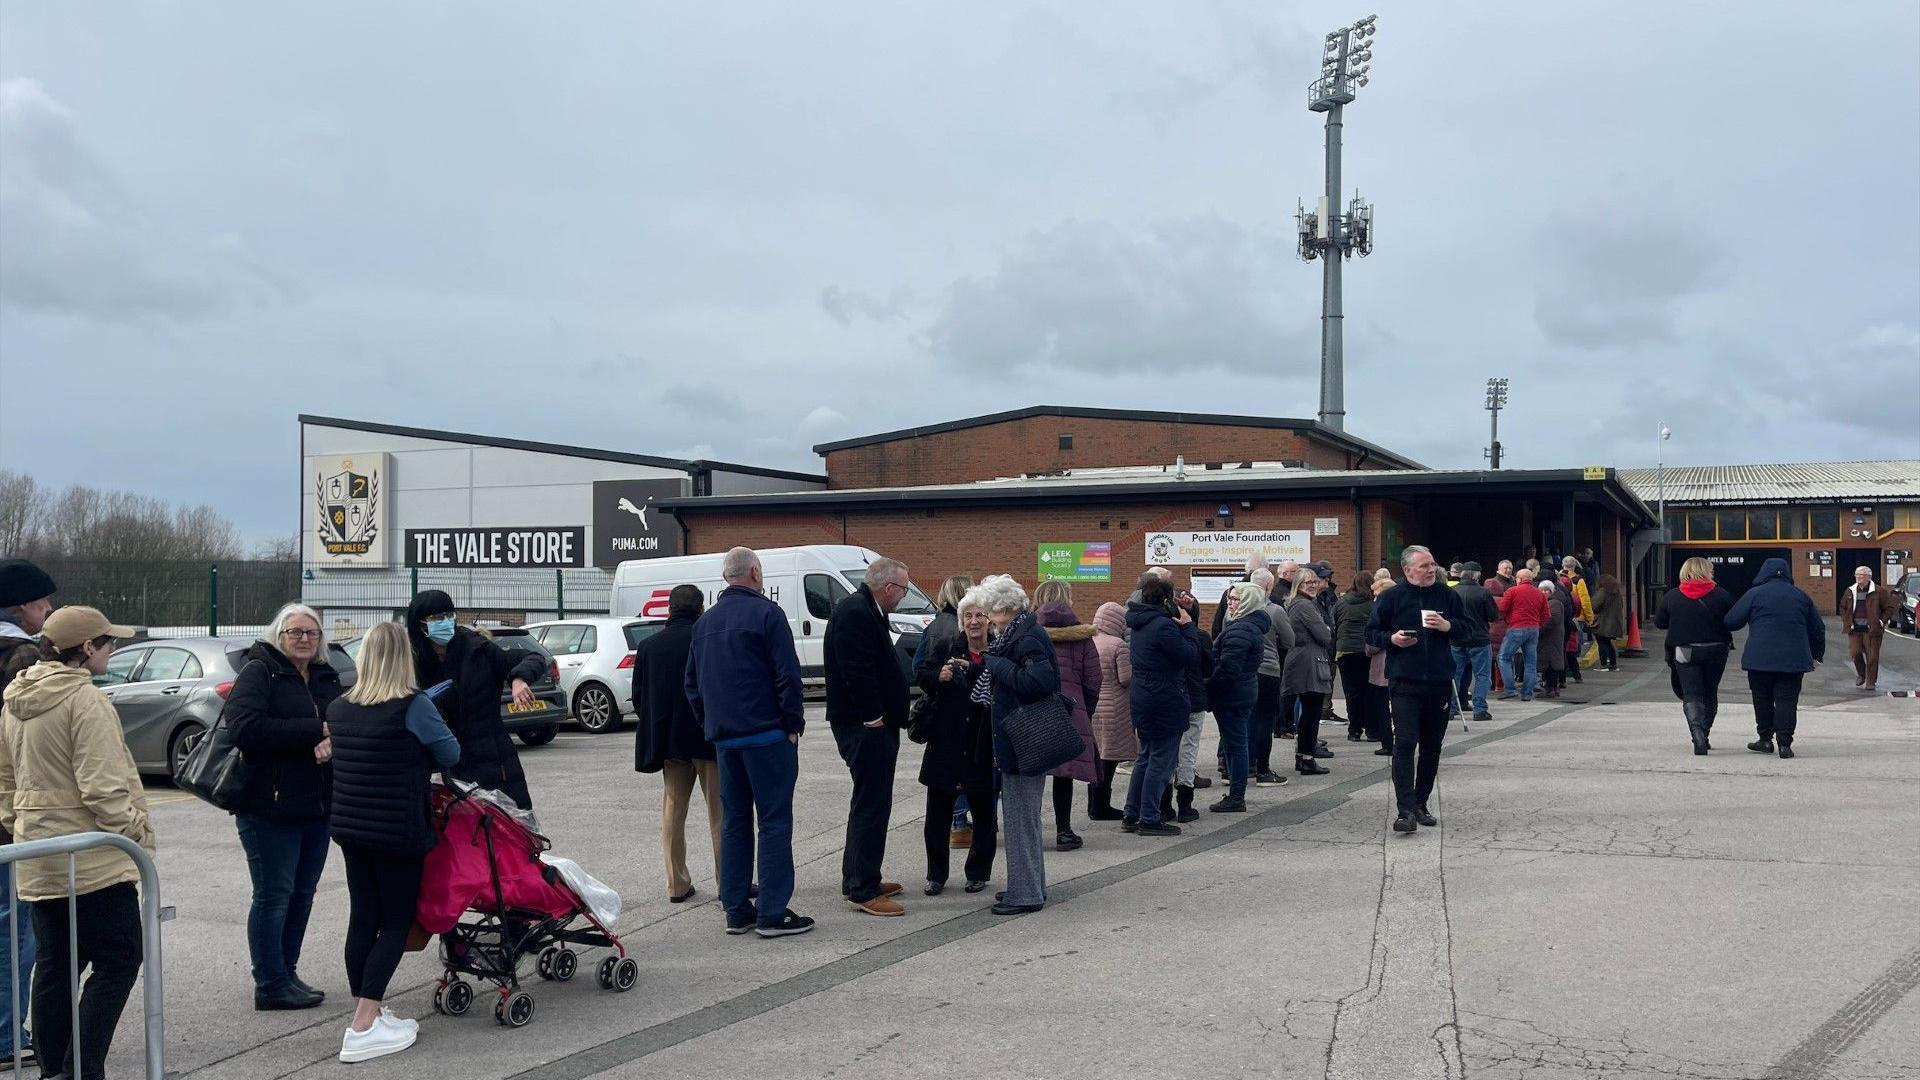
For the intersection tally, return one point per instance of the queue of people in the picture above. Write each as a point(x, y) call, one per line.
point(718, 692)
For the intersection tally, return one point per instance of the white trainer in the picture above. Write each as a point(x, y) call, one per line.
point(398, 1021)
point(383, 1037)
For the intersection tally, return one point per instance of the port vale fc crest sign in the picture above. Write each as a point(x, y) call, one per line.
point(350, 516)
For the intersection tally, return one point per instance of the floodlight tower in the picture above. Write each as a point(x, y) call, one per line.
point(1496, 400)
point(1326, 234)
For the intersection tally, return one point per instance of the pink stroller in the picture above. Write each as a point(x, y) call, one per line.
point(493, 900)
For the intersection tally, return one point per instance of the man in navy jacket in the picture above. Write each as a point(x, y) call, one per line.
point(1413, 623)
point(743, 681)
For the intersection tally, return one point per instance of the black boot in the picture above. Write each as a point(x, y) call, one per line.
point(1761, 746)
point(1183, 793)
point(1100, 803)
point(1166, 804)
point(1695, 725)
point(1306, 766)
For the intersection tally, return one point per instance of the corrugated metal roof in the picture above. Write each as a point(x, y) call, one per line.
point(1814, 481)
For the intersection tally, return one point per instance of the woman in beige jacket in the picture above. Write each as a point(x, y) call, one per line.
point(64, 769)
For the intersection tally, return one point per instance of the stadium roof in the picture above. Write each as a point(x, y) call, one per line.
point(1817, 481)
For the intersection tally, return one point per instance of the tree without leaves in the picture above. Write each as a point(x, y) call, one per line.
point(80, 522)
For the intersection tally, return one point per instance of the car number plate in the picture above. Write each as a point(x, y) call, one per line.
point(538, 706)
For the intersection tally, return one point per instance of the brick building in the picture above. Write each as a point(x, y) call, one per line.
point(1056, 438)
point(1825, 518)
point(987, 494)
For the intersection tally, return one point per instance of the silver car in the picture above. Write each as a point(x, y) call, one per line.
point(169, 691)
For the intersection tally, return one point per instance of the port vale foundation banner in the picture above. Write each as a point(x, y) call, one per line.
point(1227, 548)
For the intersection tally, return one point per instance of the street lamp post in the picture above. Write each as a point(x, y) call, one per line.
point(1660, 474)
point(1327, 234)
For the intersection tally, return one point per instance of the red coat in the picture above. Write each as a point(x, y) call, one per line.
point(1522, 608)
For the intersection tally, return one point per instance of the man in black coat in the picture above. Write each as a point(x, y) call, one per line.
point(1414, 623)
point(866, 708)
point(670, 739)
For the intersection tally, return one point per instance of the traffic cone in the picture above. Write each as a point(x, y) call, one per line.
point(1633, 635)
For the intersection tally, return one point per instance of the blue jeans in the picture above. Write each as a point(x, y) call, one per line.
point(1233, 746)
point(960, 808)
point(16, 961)
point(1473, 672)
point(756, 782)
point(1525, 642)
point(1152, 772)
point(285, 859)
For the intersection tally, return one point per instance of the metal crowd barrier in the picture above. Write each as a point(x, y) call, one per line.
point(151, 916)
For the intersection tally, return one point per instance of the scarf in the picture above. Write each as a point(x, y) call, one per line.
point(1694, 590)
point(1001, 645)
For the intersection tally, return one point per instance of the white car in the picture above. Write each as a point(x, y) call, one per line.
point(595, 657)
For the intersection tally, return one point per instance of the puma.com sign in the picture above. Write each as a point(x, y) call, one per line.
point(628, 525)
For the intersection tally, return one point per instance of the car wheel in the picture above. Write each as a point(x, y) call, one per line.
point(540, 736)
point(596, 710)
point(182, 744)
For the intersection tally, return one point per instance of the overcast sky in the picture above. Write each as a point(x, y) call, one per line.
point(738, 230)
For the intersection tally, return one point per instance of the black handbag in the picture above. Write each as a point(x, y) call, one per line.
point(1042, 736)
point(920, 719)
point(215, 771)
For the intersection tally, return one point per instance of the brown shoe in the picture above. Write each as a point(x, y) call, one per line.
point(891, 888)
point(881, 905)
point(961, 838)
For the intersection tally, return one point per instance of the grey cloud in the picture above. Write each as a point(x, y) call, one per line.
point(1617, 276)
point(704, 402)
point(74, 242)
point(1877, 383)
point(1096, 296)
point(846, 305)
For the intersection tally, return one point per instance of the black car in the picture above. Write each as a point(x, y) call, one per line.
point(536, 725)
point(1909, 592)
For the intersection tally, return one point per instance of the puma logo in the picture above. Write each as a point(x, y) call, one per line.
point(626, 506)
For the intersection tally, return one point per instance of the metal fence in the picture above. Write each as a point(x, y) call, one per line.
point(351, 601)
point(153, 995)
point(185, 599)
point(210, 597)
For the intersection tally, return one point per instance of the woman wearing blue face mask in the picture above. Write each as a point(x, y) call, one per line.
point(444, 651)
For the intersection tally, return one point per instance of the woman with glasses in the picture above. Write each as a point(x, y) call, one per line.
point(275, 712)
point(475, 669)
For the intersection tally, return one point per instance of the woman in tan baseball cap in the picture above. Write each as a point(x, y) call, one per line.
point(65, 768)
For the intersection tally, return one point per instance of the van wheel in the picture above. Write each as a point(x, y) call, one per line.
point(596, 710)
point(180, 746)
point(540, 736)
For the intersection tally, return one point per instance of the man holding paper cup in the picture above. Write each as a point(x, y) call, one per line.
point(1413, 623)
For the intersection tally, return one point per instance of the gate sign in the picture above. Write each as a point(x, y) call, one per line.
point(1076, 562)
point(1227, 548)
point(531, 547)
point(350, 510)
point(627, 524)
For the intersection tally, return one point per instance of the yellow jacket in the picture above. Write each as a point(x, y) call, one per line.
point(65, 768)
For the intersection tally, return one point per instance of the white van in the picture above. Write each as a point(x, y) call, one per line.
point(805, 581)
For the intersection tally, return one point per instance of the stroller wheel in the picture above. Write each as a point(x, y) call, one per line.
point(514, 1010)
point(626, 974)
point(565, 963)
point(453, 998)
point(546, 962)
point(606, 973)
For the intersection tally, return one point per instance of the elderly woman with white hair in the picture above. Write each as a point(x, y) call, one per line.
point(1020, 670)
point(274, 711)
point(1233, 688)
point(1561, 612)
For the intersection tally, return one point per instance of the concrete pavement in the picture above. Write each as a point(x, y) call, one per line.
point(1596, 902)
